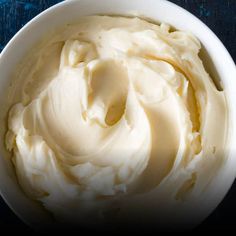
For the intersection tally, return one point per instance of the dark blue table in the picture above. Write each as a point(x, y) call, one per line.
point(219, 15)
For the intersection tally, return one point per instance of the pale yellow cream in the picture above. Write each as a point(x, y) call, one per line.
point(115, 111)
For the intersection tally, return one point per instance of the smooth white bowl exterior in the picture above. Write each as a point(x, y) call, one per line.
point(158, 10)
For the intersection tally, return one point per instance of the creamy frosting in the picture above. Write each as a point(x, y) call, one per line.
point(115, 110)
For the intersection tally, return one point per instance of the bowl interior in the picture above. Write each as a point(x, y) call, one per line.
point(216, 59)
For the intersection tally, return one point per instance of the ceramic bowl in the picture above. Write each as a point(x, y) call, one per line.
point(216, 59)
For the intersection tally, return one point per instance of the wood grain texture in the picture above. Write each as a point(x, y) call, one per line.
point(15, 14)
point(219, 15)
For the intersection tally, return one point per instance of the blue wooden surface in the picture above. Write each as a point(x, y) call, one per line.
point(219, 15)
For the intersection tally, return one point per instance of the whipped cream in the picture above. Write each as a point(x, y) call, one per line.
point(115, 110)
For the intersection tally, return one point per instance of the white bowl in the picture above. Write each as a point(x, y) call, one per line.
point(219, 64)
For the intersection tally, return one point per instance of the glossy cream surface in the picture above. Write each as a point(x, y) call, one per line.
point(115, 110)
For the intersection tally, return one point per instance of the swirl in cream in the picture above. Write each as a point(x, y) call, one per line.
point(115, 109)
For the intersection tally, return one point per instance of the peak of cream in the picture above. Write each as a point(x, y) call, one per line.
point(115, 109)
